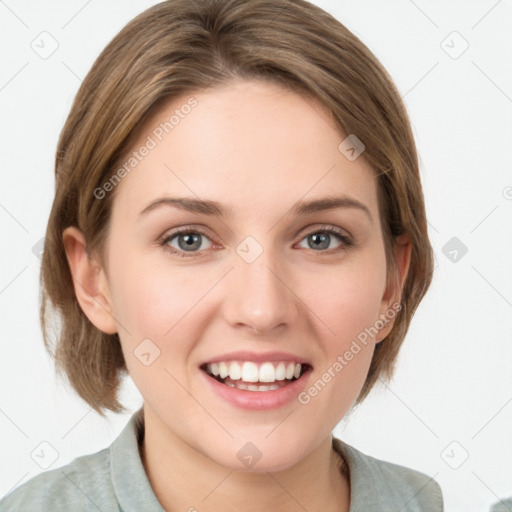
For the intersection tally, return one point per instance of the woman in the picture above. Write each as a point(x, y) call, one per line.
point(238, 225)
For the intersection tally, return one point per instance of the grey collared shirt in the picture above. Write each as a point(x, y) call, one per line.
point(114, 480)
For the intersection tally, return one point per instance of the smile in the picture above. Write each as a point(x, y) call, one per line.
point(252, 376)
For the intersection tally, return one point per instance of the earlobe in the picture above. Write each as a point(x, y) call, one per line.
point(89, 280)
point(390, 304)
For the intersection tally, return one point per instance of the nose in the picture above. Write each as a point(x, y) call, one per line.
point(258, 296)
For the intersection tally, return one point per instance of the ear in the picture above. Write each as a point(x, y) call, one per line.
point(393, 293)
point(90, 282)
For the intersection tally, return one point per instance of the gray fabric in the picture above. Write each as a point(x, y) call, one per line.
point(376, 485)
point(114, 480)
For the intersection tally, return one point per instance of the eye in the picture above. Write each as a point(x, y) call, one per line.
point(187, 240)
point(190, 240)
point(322, 238)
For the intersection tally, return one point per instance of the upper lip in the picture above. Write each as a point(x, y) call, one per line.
point(257, 357)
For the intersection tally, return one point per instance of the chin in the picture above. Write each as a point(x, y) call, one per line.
point(257, 454)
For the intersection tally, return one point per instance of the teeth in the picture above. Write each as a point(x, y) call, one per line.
point(290, 370)
point(248, 371)
point(240, 384)
point(267, 373)
point(281, 371)
point(223, 370)
point(235, 372)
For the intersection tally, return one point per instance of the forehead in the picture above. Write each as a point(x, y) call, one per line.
point(253, 146)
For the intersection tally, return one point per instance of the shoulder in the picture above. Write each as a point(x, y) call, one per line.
point(376, 482)
point(81, 485)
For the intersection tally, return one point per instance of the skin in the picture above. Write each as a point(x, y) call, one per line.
point(257, 149)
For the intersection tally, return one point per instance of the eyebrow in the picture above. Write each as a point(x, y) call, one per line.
point(214, 208)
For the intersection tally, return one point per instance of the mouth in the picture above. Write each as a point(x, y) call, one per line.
point(256, 376)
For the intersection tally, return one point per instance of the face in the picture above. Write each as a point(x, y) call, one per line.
point(257, 284)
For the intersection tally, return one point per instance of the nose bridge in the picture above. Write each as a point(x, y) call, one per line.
point(257, 295)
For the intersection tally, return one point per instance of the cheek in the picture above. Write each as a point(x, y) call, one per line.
point(155, 306)
point(346, 303)
point(152, 305)
point(347, 298)
point(151, 300)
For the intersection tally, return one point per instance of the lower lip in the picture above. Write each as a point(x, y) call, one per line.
point(258, 400)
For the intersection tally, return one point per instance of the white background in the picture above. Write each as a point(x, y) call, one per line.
point(452, 394)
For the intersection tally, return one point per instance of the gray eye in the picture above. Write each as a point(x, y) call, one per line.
point(320, 240)
point(189, 242)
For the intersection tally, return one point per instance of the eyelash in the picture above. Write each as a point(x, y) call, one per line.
point(164, 241)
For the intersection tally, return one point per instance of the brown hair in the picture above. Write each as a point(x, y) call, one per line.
point(180, 46)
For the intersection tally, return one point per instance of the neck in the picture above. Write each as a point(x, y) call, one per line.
point(317, 482)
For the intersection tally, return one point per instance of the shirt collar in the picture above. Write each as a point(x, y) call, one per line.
point(364, 495)
point(129, 478)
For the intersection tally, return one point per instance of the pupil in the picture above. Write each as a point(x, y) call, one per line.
point(190, 240)
point(323, 241)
